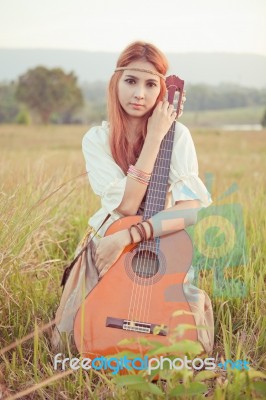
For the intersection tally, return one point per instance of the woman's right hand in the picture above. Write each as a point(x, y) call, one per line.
point(160, 121)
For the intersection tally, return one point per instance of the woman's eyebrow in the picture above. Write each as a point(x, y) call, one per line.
point(147, 80)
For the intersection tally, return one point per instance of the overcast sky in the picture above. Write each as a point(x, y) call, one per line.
point(236, 26)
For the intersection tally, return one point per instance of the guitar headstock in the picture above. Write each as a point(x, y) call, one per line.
point(175, 88)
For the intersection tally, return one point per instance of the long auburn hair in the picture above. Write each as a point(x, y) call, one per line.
point(122, 151)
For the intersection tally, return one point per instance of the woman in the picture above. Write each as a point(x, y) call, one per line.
point(120, 157)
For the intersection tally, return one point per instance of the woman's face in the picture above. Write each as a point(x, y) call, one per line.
point(138, 91)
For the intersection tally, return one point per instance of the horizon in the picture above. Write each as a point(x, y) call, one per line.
point(117, 52)
point(196, 67)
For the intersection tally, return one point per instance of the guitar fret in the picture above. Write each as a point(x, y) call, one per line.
point(155, 203)
point(160, 197)
point(158, 190)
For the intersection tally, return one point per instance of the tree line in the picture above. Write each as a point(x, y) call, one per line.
point(54, 96)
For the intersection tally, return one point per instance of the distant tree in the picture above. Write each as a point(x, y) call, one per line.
point(49, 91)
point(263, 121)
point(8, 104)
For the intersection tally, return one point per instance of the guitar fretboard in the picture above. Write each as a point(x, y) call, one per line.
point(156, 193)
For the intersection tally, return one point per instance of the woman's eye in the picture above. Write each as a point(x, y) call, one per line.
point(130, 81)
point(152, 84)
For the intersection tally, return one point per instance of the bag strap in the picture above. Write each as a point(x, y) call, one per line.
point(69, 268)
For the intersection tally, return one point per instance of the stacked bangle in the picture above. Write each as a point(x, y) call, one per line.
point(138, 175)
point(142, 231)
point(144, 234)
point(151, 228)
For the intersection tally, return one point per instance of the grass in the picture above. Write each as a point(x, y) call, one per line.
point(45, 202)
point(213, 118)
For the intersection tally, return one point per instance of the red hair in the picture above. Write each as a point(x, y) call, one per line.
point(123, 153)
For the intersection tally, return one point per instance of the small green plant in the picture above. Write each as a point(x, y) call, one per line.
point(263, 120)
point(23, 117)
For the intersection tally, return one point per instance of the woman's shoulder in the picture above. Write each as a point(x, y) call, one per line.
point(97, 134)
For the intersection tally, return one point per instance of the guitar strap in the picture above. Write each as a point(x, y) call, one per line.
point(69, 268)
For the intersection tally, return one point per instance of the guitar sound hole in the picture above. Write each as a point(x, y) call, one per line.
point(145, 264)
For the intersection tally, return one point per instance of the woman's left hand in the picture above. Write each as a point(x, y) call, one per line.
point(109, 249)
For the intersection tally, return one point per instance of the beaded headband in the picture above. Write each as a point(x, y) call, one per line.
point(141, 70)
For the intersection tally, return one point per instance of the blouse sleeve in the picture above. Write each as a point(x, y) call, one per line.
point(106, 178)
point(184, 181)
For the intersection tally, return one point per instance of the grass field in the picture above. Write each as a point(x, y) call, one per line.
point(45, 202)
point(203, 118)
point(214, 118)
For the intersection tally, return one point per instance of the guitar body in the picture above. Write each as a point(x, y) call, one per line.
point(140, 291)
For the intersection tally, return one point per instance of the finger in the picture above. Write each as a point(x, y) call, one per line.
point(180, 113)
point(173, 114)
point(170, 107)
point(159, 105)
point(165, 106)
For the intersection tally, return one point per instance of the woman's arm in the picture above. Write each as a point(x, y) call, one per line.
point(178, 217)
point(173, 219)
point(134, 190)
point(158, 125)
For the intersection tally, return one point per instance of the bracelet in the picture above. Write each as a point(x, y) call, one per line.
point(138, 172)
point(143, 231)
point(138, 230)
point(138, 179)
point(151, 228)
point(131, 237)
point(138, 175)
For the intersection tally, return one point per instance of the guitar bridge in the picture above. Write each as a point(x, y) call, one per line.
point(136, 326)
point(133, 326)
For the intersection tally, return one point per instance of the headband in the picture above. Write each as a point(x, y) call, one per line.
point(149, 71)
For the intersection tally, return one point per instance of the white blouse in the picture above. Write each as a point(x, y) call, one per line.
point(108, 180)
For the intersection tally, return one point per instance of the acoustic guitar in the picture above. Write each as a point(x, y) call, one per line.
point(142, 290)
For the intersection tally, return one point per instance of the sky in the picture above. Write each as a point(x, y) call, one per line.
point(232, 26)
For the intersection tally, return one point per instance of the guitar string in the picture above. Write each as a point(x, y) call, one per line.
point(162, 188)
point(167, 167)
point(146, 290)
point(146, 294)
point(149, 290)
point(143, 289)
point(137, 285)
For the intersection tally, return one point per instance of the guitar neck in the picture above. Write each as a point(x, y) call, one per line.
point(156, 193)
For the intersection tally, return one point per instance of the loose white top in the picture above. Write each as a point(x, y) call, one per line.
point(108, 180)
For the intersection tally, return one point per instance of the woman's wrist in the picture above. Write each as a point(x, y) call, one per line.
point(136, 233)
point(152, 140)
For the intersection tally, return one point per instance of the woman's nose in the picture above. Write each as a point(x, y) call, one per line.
point(139, 93)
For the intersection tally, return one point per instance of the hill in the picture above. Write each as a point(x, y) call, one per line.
point(210, 68)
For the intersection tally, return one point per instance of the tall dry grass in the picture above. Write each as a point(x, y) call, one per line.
point(45, 202)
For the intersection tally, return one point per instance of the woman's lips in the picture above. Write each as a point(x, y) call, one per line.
point(136, 105)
